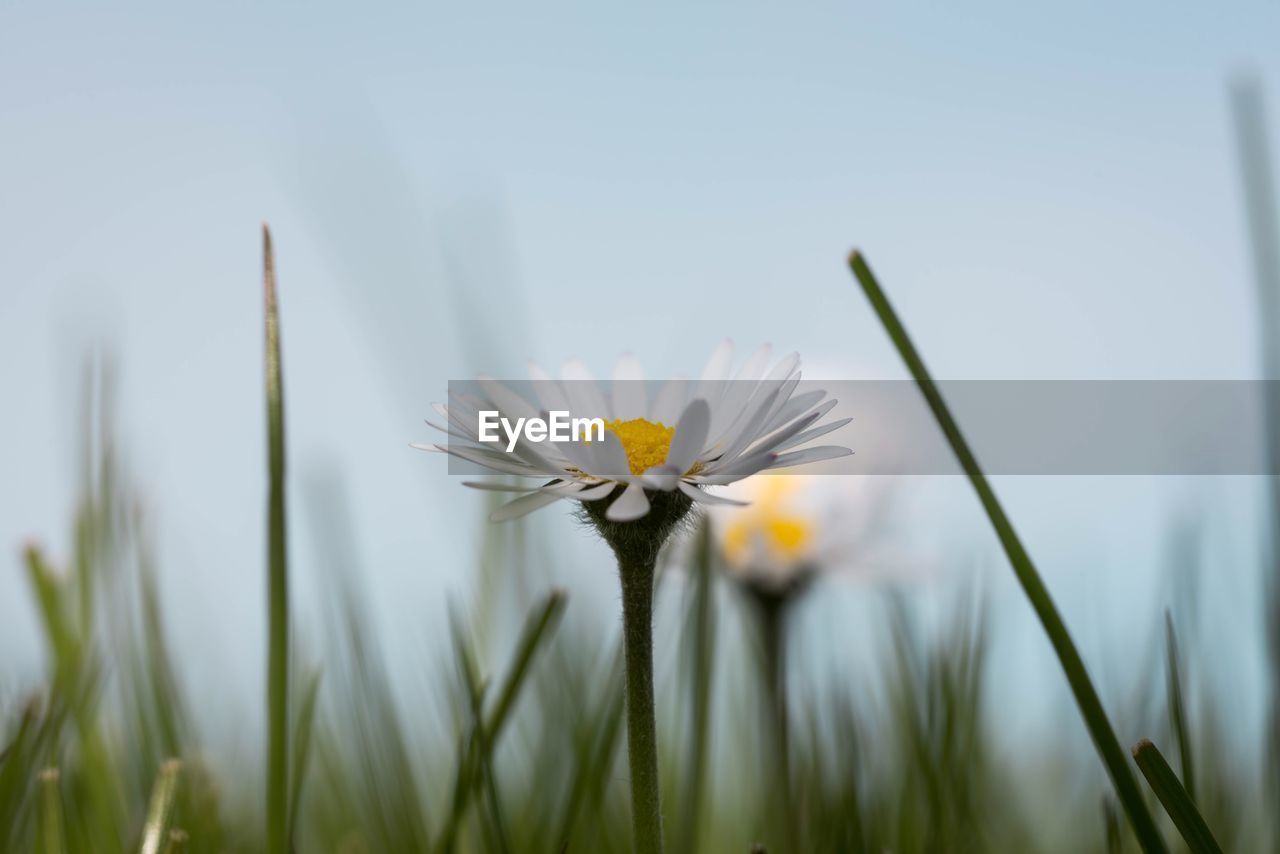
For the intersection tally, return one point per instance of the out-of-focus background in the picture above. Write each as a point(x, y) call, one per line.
point(1047, 194)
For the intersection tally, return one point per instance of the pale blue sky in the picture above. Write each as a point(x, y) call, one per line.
point(1045, 193)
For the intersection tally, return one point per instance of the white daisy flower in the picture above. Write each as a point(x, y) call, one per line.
point(666, 447)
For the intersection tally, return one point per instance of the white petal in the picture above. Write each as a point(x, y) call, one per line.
point(785, 389)
point(748, 430)
point(663, 477)
point(450, 431)
point(670, 401)
point(737, 469)
point(523, 505)
point(703, 497)
point(550, 395)
point(718, 366)
point(508, 401)
point(582, 391)
point(610, 459)
point(811, 455)
point(795, 406)
point(776, 438)
point(503, 487)
point(464, 412)
point(754, 368)
point(629, 397)
point(595, 493)
point(785, 367)
point(715, 379)
point(631, 504)
point(495, 460)
point(690, 437)
point(809, 435)
point(579, 454)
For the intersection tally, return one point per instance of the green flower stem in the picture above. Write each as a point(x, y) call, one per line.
point(642, 736)
point(1095, 717)
point(771, 610)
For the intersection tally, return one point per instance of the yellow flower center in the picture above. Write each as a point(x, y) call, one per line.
point(645, 442)
point(785, 534)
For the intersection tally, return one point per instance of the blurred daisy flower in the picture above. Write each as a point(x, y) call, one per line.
point(796, 525)
point(668, 447)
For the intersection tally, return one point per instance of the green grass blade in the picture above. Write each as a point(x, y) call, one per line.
point(701, 664)
point(50, 835)
point(475, 750)
point(16, 760)
point(1095, 716)
point(1248, 107)
point(51, 599)
point(1178, 707)
point(1111, 826)
point(156, 830)
point(177, 842)
point(1177, 803)
point(591, 775)
point(277, 801)
point(303, 729)
point(537, 626)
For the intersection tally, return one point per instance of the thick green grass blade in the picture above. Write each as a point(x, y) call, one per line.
point(1095, 716)
point(51, 832)
point(1177, 803)
point(155, 833)
point(277, 794)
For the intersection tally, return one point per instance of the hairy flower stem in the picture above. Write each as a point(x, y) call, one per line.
point(636, 544)
point(772, 610)
point(642, 735)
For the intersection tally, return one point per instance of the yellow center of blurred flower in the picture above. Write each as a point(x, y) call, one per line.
point(769, 522)
point(645, 442)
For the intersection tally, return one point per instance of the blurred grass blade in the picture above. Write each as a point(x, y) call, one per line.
point(15, 769)
point(536, 627)
point(50, 836)
point(53, 614)
point(1258, 185)
point(277, 572)
point(177, 842)
point(597, 753)
point(303, 729)
point(1111, 826)
point(701, 662)
point(1095, 716)
point(156, 831)
point(475, 748)
point(1178, 707)
point(1177, 803)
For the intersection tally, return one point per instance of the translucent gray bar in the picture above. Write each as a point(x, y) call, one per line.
point(1019, 427)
